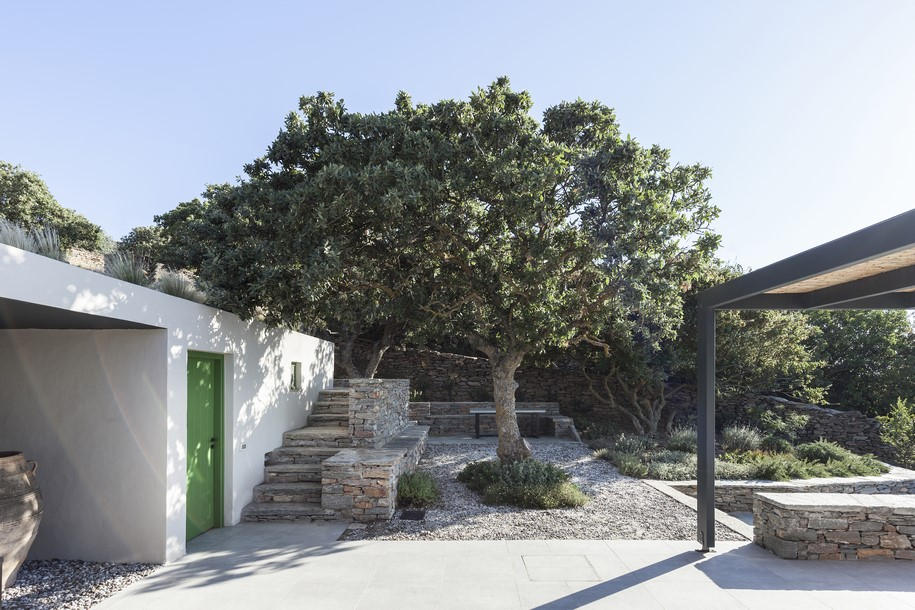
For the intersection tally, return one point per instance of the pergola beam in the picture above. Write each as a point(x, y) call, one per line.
point(866, 293)
point(877, 240)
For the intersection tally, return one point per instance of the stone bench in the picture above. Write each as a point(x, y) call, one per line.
point(835, 525)
point(456, 419)
point(361, 483)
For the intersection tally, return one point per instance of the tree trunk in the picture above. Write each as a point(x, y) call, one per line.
point(375, 355)
point(378, 349)
point(512, 447)
point(346, 358)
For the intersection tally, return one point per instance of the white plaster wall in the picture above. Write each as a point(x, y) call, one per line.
point(89, 407)
point(259, 405)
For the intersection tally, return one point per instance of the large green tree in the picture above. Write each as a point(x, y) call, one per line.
point(868, 356)
point(174, 240)
point(326, 229)
point(553, 229)
point(26, 201)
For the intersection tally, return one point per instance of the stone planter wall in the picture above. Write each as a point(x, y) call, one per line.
point(361, 483)
point(835, 526)
point(455, 419)
point(377, 410)
point(738, 496)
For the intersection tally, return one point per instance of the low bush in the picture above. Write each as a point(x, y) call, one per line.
point(631, 443)
point(683, 438)
point(126, 267)
point(822, 451)
point(740, 438)
point(177, 285)
point(526, 483)
point(417, 489)
point(776, 444)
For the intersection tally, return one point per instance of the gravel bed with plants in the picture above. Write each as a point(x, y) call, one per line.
point(65, 585)
point(618, 508)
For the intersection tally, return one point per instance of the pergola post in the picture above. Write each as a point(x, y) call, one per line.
point(705, 370)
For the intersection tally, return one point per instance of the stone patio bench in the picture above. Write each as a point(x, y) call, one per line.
point(835, 525)
point(361, 483)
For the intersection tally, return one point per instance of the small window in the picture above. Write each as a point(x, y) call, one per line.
point(296, 383)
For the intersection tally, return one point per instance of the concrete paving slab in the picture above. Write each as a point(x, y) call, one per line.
point(267, 565)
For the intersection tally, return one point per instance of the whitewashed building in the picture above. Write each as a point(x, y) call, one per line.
point(149, 415)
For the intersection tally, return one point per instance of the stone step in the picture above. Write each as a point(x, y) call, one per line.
point(328, 419)
point(331, 408)
point(299, 455)
point(274, 511)
point(292, 473)
point(297, 493)
point(335, 394)
point(318, 436)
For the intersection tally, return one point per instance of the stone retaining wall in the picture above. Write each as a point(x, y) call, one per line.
point(361, 483)
point(835, 526)
point(443, 377)
point(738, 496)
point(377, 409)
point(850, 429)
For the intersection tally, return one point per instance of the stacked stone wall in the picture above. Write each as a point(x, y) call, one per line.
point(377, 410)
point(443, 377)
point(833, 526)
point(361, 483)
point(851, 429)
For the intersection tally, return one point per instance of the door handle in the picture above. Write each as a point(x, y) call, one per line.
point(213, 443)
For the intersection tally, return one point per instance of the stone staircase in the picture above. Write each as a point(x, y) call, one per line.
point(292, 473)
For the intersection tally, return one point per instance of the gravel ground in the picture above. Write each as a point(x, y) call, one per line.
point(620, 507)
point(70, 584)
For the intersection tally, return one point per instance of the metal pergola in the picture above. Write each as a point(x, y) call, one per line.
point(873, 268)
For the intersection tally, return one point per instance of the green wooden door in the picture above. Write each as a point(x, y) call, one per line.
point(204, 443)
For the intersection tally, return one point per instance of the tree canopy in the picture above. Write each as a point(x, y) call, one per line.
point(868, 357)
point(26, 201)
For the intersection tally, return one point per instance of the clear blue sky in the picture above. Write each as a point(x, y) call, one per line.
point(804, 110)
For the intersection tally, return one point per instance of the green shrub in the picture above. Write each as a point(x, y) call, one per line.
point(782, 423)
point(776, 444)
point(126, 267)
point(673, 471)
point(526, 483)
point(632, 443)
point(855, 466)
point(740, 438)
point(778, 467)
point(822, 451)
point(480, 475)
point(416, 489)
point(731, 471)
point(177, 285)
point(683, 438)
point(898, 431)
point(629, 464)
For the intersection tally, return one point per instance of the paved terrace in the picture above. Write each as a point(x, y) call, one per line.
point(288, 565)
